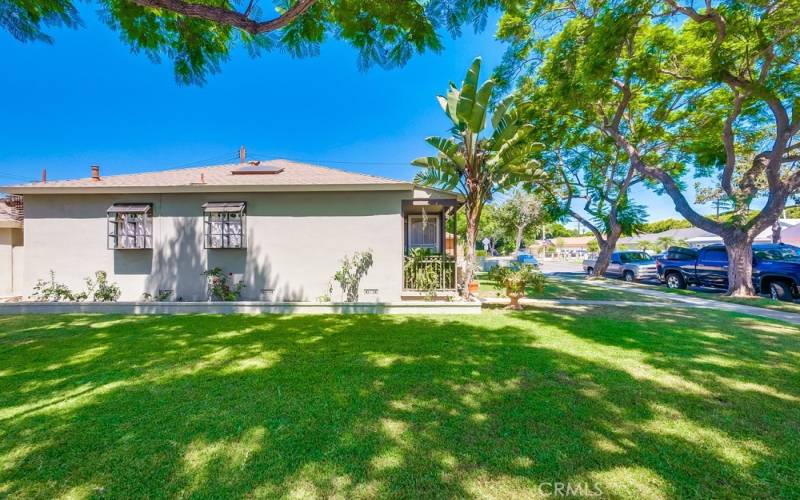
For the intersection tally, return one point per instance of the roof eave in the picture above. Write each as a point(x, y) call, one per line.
point(460, 197)
point(10, 224)
point(204, 188)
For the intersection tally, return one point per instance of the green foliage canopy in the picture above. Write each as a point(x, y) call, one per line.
point(198, 36)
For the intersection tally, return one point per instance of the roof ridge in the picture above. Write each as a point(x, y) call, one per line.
point(336, 169)
point(166, 170)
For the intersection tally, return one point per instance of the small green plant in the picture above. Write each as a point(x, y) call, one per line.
point(100, 289)
point(326, 297)
point(516, 280)
point(160, 296)
point(421, 272)
point(353, 270)
point(50, 290)
point(219, 288)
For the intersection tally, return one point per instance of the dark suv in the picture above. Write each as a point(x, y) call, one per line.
point(776, 268)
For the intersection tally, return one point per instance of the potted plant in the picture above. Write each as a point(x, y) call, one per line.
point(516, 280)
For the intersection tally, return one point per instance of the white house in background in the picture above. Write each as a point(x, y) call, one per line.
point(11, 239)
point(281, 227)
point(698, 238)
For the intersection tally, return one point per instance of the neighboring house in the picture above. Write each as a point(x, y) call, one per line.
point(572, 247)
point(279, 226)
point(11, 239)
point(698, 238)
point(791, 235)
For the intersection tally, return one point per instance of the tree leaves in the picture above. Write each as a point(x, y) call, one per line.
point(386, 33)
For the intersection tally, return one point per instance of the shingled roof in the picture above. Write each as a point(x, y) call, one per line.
point(282, 175)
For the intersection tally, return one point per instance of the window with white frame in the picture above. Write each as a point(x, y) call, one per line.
point(130, 226)
point(225, 225)
point(423, 232)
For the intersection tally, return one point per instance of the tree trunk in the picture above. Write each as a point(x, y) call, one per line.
point(607, 247)
point(473, 217)
point(740, 263)
point(518, 238)
point(776, 231)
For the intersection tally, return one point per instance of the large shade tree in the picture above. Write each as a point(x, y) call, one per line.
point(587, 177)
point(476, 162)
point(676, 87)
point(198, 35)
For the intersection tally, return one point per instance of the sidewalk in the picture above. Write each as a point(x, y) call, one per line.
point(673, 299)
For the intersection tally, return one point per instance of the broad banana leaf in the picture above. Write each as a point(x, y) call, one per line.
point(478, 118)
point(469, 88)
point(448, 148)
point(453, 95)
point(442, 102)
point(437, 177)
point(506, 125)
point(501, 109)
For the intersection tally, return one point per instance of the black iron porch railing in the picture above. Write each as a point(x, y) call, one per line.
point(430, 273)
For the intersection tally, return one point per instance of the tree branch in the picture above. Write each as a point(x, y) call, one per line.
point(729, 140)
point(672, 188)
point(229, 17)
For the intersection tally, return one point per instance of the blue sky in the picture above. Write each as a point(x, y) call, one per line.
point(87, 100)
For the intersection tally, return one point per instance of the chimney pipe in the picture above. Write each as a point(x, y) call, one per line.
point(95, 173)
point(44, 175)
point(242, 154)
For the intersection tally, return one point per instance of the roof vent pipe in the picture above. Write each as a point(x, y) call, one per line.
point(242, 154)
point(95, 173)
point(44, 176)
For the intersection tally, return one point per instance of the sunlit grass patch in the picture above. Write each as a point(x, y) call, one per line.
point(634, 402)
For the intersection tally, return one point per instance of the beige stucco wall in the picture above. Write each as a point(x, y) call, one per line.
point(11, 261)
point(295, 243)
point(6, 263)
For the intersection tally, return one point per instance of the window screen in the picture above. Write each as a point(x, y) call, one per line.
point(225, 225)
point(130, 226)
point(423, 232)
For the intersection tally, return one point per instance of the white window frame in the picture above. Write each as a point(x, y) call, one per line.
point(120, 222)
point(217, 224)
point(431, 219)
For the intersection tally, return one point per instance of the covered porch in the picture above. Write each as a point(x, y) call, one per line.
point(430, 248)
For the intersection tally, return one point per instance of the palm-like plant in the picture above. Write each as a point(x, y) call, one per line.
point(664, 242)
point(475, 165)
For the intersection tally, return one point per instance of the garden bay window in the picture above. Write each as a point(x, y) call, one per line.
point(225, 224)
point(130, 226)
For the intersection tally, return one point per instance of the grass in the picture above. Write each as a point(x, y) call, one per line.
point(637, 403)
point(556, 288)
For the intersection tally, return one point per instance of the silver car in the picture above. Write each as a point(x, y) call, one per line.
point(628, 265)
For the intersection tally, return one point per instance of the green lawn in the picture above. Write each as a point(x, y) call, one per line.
point(643, 403)
point(556, 288)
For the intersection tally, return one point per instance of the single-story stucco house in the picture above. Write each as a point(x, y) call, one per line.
point(279, 226)
point(11, 239)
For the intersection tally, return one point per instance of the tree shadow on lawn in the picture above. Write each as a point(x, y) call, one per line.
point(643, 403)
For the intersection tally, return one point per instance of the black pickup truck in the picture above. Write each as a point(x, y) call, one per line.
point(776, 268)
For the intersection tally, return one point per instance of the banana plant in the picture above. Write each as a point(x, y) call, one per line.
point(475, 163)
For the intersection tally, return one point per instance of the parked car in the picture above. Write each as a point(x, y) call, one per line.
point(629, 265)
point(526, 258)
point(776, 268)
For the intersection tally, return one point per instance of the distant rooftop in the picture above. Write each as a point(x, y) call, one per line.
point(261, 175)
